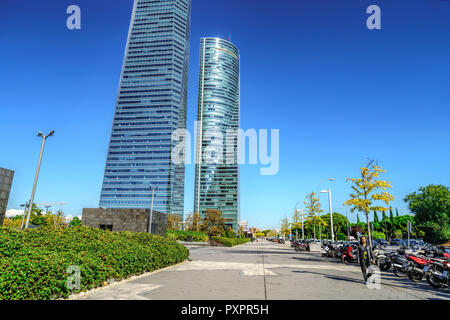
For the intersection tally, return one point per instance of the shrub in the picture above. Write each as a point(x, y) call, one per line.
point(341, 236)
point(230, 242)
point(182, 235)
point(378, 235)
point(229, 233)
point(34, 263)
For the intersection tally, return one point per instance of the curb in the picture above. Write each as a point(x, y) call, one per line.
point(115, 283)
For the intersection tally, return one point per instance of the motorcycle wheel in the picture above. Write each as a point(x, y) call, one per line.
point(296, 248)
point(344, 260)
point(384, 265)
point(433, 282)
point(415, 277)
point(399, 273)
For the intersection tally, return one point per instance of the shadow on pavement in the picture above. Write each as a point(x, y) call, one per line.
point(339, 278)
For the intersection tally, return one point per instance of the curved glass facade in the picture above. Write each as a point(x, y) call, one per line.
point(216, 179)
point(151, 104)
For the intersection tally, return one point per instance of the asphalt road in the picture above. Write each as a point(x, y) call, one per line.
point(263, 270)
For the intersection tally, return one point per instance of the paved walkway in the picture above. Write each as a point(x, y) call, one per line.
point(261, 271)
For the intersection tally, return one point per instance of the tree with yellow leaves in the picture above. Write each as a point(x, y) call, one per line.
point(313, 210)
point(285, 227)
point(367, 190)
point(173, 222)
point(193, 222)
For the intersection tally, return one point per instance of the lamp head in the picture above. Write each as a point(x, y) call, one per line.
point(51, 133)
point(39, 134)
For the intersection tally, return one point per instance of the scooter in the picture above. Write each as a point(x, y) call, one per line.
point(349, 254)
point(415, 266)
point(438, 274)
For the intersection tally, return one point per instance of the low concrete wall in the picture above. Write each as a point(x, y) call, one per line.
point(135, 220)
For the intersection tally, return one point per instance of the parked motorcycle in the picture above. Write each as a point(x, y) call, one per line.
point(349, 254)
point(438, 274)
point(399, 264)
point(415, 266)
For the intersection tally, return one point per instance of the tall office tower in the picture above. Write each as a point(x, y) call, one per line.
point(151, 104)
point(216, 181)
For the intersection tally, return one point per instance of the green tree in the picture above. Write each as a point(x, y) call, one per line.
point(313, 211)
point(375, 217)
point(193, 222)
point(285, 227)
point(384, 215)
point(213, 223)
point(431, 206)
point(340, 223)
point(76, 222)
point(357, 218)
point(396, 212)
point(173, 222)
point(391, 215)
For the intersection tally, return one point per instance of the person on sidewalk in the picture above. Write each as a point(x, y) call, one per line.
point(365, 258)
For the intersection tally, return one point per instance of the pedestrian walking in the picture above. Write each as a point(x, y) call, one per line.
point(365, 258)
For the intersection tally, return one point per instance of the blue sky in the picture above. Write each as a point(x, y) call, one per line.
point(338, 92)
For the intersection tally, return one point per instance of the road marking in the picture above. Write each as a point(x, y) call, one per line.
point(125, 291)
point(253, 269)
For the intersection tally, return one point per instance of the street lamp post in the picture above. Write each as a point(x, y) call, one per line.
point(151, 210)
point(318, 197)
point(331, 211)
point(25, 208)
point(30, 205)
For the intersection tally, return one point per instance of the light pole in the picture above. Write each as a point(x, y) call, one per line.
point(30, 205)
point(318, 198)
point(151, 210)
point(331, 211)
point(25, 207)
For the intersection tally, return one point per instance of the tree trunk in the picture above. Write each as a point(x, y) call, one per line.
point(369, 232)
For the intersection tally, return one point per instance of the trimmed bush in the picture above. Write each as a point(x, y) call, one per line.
point(341, 236)
point(230, 242)
point(182, 235)
point(379, 235)
point(34, 263)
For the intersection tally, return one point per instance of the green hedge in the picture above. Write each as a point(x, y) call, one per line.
point(230, 242)
point(182, 235)
point(33, 263)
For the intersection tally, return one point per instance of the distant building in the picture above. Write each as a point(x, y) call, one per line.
point(6, 178)
point(253, 230)
point(135, 220)
point(244, 225)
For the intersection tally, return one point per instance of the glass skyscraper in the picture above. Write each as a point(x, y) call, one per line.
point(217, 179)
point(151, 104)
